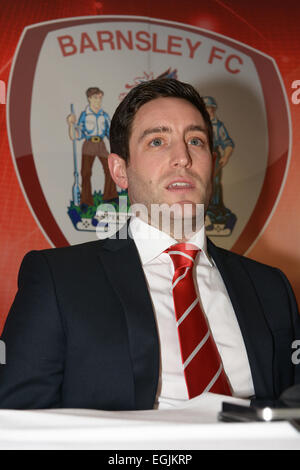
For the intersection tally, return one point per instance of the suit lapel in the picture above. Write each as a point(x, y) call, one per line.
point(250, 316)
point(121, 262)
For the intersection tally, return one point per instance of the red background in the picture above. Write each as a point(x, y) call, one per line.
point(269, 26)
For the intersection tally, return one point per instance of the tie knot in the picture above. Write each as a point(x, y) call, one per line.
point(183, 254)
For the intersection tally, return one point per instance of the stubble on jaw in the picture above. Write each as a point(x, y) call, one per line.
point(179, 221)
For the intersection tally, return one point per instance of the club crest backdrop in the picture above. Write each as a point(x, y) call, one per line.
point(62, 60)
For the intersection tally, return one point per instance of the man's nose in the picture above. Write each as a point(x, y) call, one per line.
point(180, 156)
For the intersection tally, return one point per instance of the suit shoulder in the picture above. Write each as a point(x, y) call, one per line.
point(72, 250)
point(242, 258)
point(67, 255)
point(248, 263)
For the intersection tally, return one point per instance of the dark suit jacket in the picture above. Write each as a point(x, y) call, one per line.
point(82, 334)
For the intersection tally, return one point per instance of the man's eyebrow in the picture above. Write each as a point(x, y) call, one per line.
point(155, 130)
point(196, 127)
point(164, 129)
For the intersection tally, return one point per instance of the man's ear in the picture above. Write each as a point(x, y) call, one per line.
point(117, 168)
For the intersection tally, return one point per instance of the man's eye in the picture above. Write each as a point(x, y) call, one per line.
point(156, 142)
point(195, 141)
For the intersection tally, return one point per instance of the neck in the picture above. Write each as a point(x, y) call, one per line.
point(178, 221)
point(182, 230)
point(95, 110)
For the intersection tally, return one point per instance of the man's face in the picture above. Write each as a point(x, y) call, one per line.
point(95, 101)
point(170, 160)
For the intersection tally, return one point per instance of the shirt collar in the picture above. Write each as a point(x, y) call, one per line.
point(90, 111)
point(151, 242)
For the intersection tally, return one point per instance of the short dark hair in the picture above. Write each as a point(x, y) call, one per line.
point(94, 90)
point(121, 123)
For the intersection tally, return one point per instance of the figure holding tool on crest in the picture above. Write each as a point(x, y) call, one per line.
point(93, 127)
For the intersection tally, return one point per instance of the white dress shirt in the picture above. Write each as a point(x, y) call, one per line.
point(159, 270)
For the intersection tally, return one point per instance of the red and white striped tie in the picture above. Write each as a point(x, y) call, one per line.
point(203, 368)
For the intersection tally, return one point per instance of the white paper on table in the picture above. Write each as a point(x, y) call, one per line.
point(192, 426)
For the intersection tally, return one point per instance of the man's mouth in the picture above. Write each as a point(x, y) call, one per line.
point(180, 186)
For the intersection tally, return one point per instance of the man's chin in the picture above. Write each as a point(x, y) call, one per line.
point(184, 217)
point(186, 208)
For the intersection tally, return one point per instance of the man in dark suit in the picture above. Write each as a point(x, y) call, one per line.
point(93, 326)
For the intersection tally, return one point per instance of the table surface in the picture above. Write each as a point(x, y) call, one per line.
point(193, 426)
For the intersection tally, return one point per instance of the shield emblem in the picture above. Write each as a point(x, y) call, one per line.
point(57, 62)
